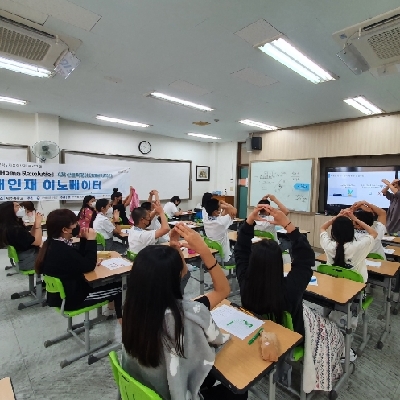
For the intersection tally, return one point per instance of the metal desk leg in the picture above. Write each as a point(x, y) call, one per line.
point(387, 319)
point(346, 374)
point(365, 336)
point(124, 288)
point(272, 385)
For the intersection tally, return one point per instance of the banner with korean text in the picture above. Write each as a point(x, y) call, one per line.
point(32, 181)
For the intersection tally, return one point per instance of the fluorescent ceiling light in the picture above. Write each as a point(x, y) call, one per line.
point(13, 101)
point(363, 105)
point(200, 135)
point(286, 54)
point(27, 69)
point(258, 124)
point(122, 121)
point(162, 96)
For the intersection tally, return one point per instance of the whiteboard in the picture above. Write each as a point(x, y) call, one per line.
point(169, 177)
point(16, 153)
point(289, 181)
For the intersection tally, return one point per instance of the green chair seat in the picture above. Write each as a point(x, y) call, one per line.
point(82, 310)
point(375, 256)
point(267, 235)
point(29, 272)
point(130, 255)
point(129, 388)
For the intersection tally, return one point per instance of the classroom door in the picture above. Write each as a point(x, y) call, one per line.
point(243, 191)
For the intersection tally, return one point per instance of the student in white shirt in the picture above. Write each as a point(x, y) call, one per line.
point(366, 212)
point(341, 249)
point(107, 228)
point(220, 217)
point(266, 225)
point(171, 208)
point(139, 237)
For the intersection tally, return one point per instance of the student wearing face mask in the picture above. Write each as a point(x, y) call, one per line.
point(13, 233)
point(30, 212)
point(59, 259)
point(87, 213)
point(120, 205)
point(107, 228)
point(139, 236)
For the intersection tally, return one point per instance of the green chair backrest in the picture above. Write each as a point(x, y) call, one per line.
point(340, 272)
point(100, 240)
point(12, 254)
point(130, 255)
point(267, 235)
point(213, 244)
point(376, 256)
point(129, 387)
point(54, 285)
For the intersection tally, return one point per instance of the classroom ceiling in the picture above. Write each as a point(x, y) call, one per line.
point(189, 49)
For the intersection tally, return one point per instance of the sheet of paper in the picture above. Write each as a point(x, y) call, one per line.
point(389, 251)
point(282, 230)
point(255, 239)
point(388, 238)
point(235, 322)
point(285, 274)
point(373, 263)
point(188, 225)
point(115, 263)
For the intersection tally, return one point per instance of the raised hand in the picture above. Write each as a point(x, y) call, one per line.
point(254, 215)
point(193, 239)
point(386, 182)
point(38, 218)
point(279, 217)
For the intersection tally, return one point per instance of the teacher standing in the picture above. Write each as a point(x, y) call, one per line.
point(393, 214)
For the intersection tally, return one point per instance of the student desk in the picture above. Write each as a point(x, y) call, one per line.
point(6, 389)
point(395, 240)
point(396, 253)
point(332, 292)
point(380, 276)
point(239, 365)
point(190, 224)
point(101, 276)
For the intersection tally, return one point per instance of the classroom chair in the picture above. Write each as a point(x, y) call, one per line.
point(365, 302)
point(54, 285)
point(101, 242)
point(212, 244)
point(267, 235)
point(128, 387)
point(375, 256)
point(35, 292)
point(130, 255)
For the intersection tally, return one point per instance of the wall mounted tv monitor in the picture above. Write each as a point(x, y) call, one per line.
point(346, 185)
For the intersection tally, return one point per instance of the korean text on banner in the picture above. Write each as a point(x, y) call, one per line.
point(32, 181)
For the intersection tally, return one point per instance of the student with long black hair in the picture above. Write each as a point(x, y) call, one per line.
point(167, 339)
point(341, 249)
point(267, 292)
point(14, 233)
point(120, 205)
point(59, 259)
point(87, 213)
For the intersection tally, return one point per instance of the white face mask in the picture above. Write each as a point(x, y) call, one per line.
point(92, 204)
point(20, 213)
point(110, 212)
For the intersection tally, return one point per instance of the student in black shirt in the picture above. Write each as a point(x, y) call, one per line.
point(120, 205)
point(13, 233)
point(259, 268)
point(59, 259)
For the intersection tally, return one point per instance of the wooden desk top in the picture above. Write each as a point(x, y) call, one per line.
point(185, 252)
point(338, 290)
point(126, 226)
point(396, 251)
point(6, 390)
point(101, 272)
point(395, 240)
point(241, 364)
point(387, 268)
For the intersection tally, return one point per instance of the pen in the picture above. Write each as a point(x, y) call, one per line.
point(252, 340)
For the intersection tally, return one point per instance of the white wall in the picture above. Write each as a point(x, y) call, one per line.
point(22, 128)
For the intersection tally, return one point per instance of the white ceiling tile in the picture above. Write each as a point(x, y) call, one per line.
point(258, 32)
point(254, 77)
point(23, 11)
point(183, 86)
point(64, 11)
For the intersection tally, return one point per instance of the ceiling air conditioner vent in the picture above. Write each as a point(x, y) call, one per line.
point(386, 45)
point(30, 45)
point(374, 43)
